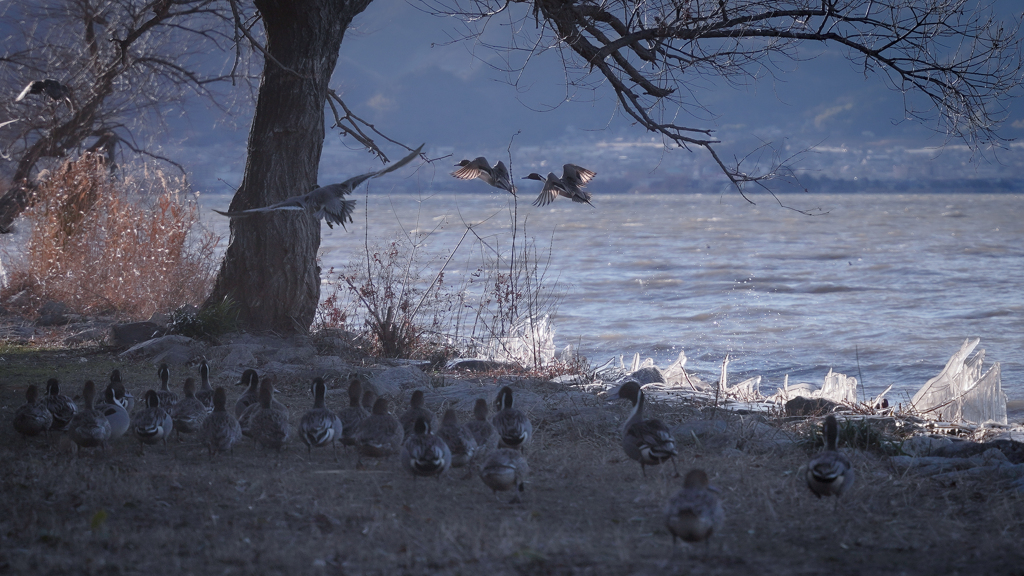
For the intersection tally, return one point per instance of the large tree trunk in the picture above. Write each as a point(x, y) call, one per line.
point(269, 268)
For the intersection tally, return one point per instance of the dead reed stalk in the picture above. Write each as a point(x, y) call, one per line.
point(128, 246)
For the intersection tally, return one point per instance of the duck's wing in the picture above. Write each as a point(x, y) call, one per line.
point(552, 188)
point(478, 168)
point(501, 178)
point(326, 201)
point(577, 174)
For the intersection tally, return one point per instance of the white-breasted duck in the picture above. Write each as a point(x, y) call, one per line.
point(205, 392)
point(380, 434)
point(152, 424)
point(268, 424)
point(830, 473)
point(89, 428)
point(220, 430)
point(496, 175)
point(483, 431)
point(32, 418)
point(114, 412)
point(649, 442)
point(320, 426)
point(505, 469)
point(167, 398)
point(695, 512)
point(61, 407)
point(459, 439)
point(569, 185)
point(513, 426)
point(355, 413)
point(189, 412)
point(416, 410)
point(121, 394)
point(423, 453)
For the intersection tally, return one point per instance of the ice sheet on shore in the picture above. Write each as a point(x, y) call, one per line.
point(961, 392)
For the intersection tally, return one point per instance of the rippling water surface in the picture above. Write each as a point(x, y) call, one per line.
point(898, 280)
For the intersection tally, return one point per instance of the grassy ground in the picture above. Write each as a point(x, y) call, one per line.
point(587, 508)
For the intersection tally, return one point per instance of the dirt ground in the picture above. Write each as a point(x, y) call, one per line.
point(587, 508)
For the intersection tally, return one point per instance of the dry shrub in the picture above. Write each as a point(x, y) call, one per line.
point(128, 246)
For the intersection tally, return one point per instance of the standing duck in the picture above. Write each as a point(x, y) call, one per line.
point(380, 434)
point(188, 414)
point(152, 424)
point(251, 395)
point(32, 418)
point(459, 439)
point(513, 426)
point(496, 176)
point(89, 428)
point(569, 185)
point(220, 430)
point(60, 405)
point(695, 512)
point(319, 426)
point(483, 431)
point(355, 413)
point(121, 395)
point(205, 392)
point(830, 473)
point(268, 425)
point(505, 469)
point(424, 454)
point(114, 412)
point(246, 418)
point(649, 442)
point(416, 410)
point(167, 398)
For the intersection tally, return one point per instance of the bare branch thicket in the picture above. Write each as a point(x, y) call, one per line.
point(955, 62)
point(126, 65)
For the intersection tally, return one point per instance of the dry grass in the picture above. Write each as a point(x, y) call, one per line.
point(587, 510)
point(128, 246)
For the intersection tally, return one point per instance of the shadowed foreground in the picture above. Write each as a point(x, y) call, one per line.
point(586, 510)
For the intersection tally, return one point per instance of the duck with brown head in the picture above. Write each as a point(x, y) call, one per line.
point(268, 425)
point(355, 413)
point(648, 441)
point(459, 439)
point(423, 453)
point(61, 407)
point(32, 418)
point(416, 410)
point(167, 398)
point(89, 428)
point(380, 435)
point(505, 469)
point(830, 473)
point(513, 425)
point(319, 425)
point(188, 414)
point(220, 430)
point(152, 424)
point(694, 513)
point(483, 431)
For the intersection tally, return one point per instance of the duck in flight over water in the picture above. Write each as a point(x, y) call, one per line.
point(496, 176)
point(569, 185)
point(326, 202)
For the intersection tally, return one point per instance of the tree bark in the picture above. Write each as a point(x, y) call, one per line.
point(269, 268)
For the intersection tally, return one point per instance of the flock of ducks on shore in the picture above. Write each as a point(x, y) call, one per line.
point(494, 446)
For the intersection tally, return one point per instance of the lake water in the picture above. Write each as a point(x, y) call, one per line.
point(896, 280)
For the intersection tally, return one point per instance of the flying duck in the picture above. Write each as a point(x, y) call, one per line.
point(569, 185)
point(496, 176)
point(327, 202)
